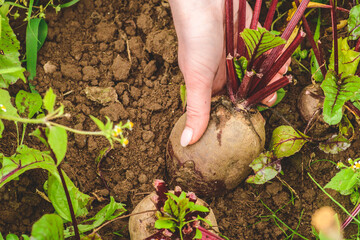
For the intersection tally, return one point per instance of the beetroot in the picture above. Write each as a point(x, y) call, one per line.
point(220, 160)
point(160, 206)
point(235, 136)
point(310, 101)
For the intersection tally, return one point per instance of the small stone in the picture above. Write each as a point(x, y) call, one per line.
point(100, 95)
point(148, 136)
point(49, 67)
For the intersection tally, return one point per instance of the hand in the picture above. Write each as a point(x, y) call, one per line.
point(200, 30)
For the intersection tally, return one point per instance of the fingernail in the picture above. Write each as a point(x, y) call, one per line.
point(286, 69)
point(186, 136)
point(272, 99)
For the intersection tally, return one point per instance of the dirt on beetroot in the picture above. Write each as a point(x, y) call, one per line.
point(119, 59)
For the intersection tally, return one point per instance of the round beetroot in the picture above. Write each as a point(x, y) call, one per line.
point(220, 160)
point(310, 101)
point(141, 226)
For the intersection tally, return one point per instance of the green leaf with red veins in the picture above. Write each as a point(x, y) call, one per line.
point(171, 207)
point(345, 181)
point(354, 23)
point(337, 92)
point(23, 160)
point(335, 144)
point(260, 41)
point(286, 141)
point(58, 199)
point(348, 59)
point(49, 226)
point(264, 167)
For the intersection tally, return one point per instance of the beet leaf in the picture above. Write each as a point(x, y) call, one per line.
point(286, 141)
point(335, 144)
point(337, 91)
point(258, 42)
point(266, 166)
point(348, 59)
point(354, 23)
point(25, 159)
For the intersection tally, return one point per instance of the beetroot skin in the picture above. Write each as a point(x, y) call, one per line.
point(141, 226)
point(220, 160)
point(310, 101)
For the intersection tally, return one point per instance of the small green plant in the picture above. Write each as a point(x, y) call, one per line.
point(36, 32)
point(68, 202)
point(178, 215)
point(286, 141)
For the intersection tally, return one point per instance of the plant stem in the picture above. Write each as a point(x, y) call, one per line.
point(46, 122)
point(275, 67)
point(71, 208)
point(350, 218)
point(229, 19)
point(241, 50)
point(337, 203)
point(314, 46)
point(267, 91)
point(244, 87)
point(357, 48)
point(335, 39)
point(286, 34)
point(270, 15)
point(256, 14)
point(232, 84)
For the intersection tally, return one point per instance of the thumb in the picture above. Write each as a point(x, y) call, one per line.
point(198, 110)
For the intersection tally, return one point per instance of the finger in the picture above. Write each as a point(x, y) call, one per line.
point(198, 110)
point(285, 67)
point(271, 99)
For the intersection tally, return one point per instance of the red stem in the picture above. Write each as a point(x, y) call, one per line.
point(232, 84)
point(318, 55)
point(353, 109)
point(256, 14)
point(329, 6)
point(335, 39)
point(241, 26)
point(357, 48)
point(270, 15)
point(267, 91)
point(229, 11)
point(270, 74)
point(245, 84)
point(286, 34)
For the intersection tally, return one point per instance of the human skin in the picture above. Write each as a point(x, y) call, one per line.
point(200, 31)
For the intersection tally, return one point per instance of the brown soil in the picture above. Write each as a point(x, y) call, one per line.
point(130, 47)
